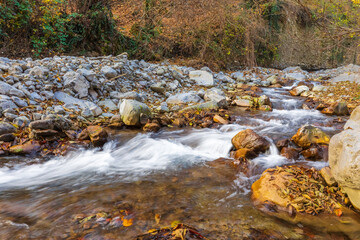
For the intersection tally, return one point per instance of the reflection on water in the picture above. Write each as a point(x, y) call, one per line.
point(166, 173)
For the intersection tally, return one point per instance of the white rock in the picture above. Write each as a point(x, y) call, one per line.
point(184, 98)
point(131, 111)
point(109, 72)
point(77, 83)
point(202, 78)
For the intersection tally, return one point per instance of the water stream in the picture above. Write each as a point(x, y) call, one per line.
point(166, 173)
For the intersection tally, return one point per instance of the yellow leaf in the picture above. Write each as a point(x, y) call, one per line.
point(127, 222)
point(157, 218)
point(175, 223)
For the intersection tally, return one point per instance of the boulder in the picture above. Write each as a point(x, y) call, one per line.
point(215, 94)
point(328, 176)
point(202, 78)
point(131, 112)
point(264, 100)
point(6, 128)
point(7, 89)
point(77, 83)
point(308, 135)
point(244, 153)
point(299, 90)
point(250, 140)
point(354, 120)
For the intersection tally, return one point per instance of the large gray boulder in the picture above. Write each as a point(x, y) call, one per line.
point(344, 158)
point(202, 78)
point(77, 82)
point(108, 72)
point(131, 112)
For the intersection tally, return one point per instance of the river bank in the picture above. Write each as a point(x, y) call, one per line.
point(159, 122)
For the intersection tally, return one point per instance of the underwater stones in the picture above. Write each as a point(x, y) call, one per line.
point(250, 140)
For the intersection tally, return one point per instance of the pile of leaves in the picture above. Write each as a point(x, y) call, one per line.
point(309, 193)
point(176, 232)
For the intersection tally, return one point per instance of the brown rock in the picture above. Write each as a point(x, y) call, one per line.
point(290, 153)
point(282, 143)
point(36, 134)
point(98, 135)
point(151, 127)
point(265, 108)
point(179, 122)
point(29, 147)
point(328, 111)
point(320, 106)
point(250, 140)
point(308, 135)
point(219, 119)
point(244, 153)
point(316, 153)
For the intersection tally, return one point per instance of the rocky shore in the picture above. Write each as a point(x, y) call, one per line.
point(56, 105)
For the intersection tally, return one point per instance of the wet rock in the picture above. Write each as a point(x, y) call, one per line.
point(244, 153)
point(282, 143)
point(290, 153)
point(328, 176)
point(151, 127)
point(320, 106)
point(97, 135)
point(316, 153)
point(7, 137)
point(250, 140)
point(243, 103)
point(202, 78)
point(265, 108)
point(46, 133)
point(77, 83)
point(308, 135)
point(131, 111)
point(263, 100)
point(216, 95)
point(328, 110)
point(299, 90)
point(30, 147)
point(6, 128)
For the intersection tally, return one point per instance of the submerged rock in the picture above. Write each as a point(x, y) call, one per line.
point(308, 135)
point(250, 140)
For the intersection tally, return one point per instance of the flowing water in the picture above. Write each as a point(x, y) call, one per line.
point(170, 174)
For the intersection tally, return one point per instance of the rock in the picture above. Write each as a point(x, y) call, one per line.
point(19, 102)
point(244, 153)
point(202, 78)
point(109, 72)
point(77, 83)
point(158, 88)
point(290, 153)
point(184, 98)
point(328, 111)
point(328, 176)
point(238, 76)
point(151, 127)
point(282, 143)
point(7, 137)
point(344, 77)
point(88, 74)
point(21, 121)
point(264, 100)
point(67, 99)
point(96, 134)
point(7, 89)
point(58, 123)
point(297, 76)
point(265, 108)
point(39, 134)
point(59, 109)
point(216, 95)
point(243, 103)
point(219, 119)
point(6, 128)
point(202, 106)
point(250, 140)
point(319, 88)
point(299, 90)
point(316, 153)
point(131, 110)
point(308, 135)
point(127, 95)
point(39, 72)
point(30, 147)
point(108, 104)
point(10, 116)
point(341, 109)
